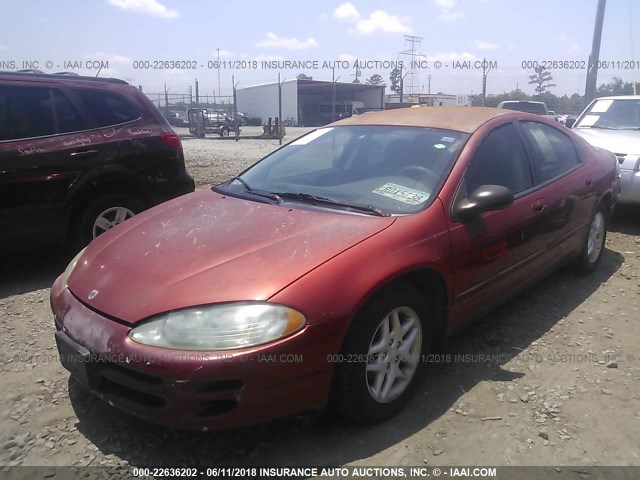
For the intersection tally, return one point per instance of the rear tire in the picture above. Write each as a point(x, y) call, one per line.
point(593, 246)
point(380, 362)
point(102, 214)
point(224, 133)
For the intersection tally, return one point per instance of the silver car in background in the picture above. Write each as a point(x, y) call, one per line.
point(613, 123)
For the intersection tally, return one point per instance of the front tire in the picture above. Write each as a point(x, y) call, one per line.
point(380, 364)
point(593, 246)
point(224, 133)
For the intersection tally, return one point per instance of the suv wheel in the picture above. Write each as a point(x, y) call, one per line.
point(224, 133)
point(103, 214)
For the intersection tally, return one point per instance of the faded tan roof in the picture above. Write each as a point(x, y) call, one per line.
point(462, 119)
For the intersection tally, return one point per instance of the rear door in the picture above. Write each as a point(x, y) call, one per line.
point(44, 144)
point(125, 141)
point(564, 197)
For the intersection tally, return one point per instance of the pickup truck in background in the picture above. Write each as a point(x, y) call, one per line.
point(539, 108)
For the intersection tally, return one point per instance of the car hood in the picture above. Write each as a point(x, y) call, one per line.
point(207, 248)
point(616, 141)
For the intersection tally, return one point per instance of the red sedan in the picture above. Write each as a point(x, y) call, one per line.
point(327, 271)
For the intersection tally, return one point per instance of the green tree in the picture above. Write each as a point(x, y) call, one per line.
point(617, 87)
point(375, 79)
point(542, 79)
point(396, 80)
point(302, 76)
point(575, 105)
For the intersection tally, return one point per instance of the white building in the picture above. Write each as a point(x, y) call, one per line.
point(310, 102)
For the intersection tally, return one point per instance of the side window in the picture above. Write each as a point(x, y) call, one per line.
point(554, 153)
point(68, 118)
point(108, 108)
point(500, 160)
point(25, 112)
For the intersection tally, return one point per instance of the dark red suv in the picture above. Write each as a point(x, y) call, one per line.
point(79, 155)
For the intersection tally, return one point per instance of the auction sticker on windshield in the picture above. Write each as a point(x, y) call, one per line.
point(402, 194)
point(601, 106)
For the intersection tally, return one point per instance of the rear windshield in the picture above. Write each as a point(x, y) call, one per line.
point(536, 108)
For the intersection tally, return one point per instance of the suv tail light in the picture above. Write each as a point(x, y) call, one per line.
point(172, 140)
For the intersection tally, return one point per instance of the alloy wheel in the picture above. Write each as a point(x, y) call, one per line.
point(110, 218)
point(595, 241)
point(394, 354)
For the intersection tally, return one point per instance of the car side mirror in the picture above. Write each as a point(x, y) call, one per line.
point(486, 198)
point(569, 122)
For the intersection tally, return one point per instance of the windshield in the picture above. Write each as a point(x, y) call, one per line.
point(389, 169)
point(612, 114)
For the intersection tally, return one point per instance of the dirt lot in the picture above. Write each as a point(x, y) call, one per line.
point(551, 378)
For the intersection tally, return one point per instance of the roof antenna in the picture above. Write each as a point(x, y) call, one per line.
point(99, 70)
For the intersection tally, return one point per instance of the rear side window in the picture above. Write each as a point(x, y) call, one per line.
point(68, 118)
point(554, 153)
point(108, 108)
point(500, 160)
point(25, 112)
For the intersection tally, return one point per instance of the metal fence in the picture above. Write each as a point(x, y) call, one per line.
point(171, 102)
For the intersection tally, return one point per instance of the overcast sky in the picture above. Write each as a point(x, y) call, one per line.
point(508, 32)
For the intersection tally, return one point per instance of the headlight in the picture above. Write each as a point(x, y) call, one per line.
point(220, 327)
point(67, 272)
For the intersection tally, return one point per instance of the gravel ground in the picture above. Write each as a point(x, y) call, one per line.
point(551, 378)
point(212, 160)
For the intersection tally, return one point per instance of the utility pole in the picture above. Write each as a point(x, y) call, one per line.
point(485, 72)
point(401, 85)
point(166, 99)
point(279, 111)
point(235, 108)
point(429, 84)
point(333, 94)
point(197, 94)
point(633, 77)
point(190, 95)
point(219, 73)
point(592, 69)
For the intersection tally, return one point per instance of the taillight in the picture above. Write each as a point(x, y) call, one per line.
point(172, 140)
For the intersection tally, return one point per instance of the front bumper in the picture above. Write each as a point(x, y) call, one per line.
point(192, 390)
point(630, 187)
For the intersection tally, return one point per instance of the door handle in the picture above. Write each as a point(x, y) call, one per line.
point(84, 154)
point(539, 206)
point(588, 181)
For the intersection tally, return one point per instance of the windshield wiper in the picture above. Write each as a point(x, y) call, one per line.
point(315, 200)
point(258, 193)
point(603, 127)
